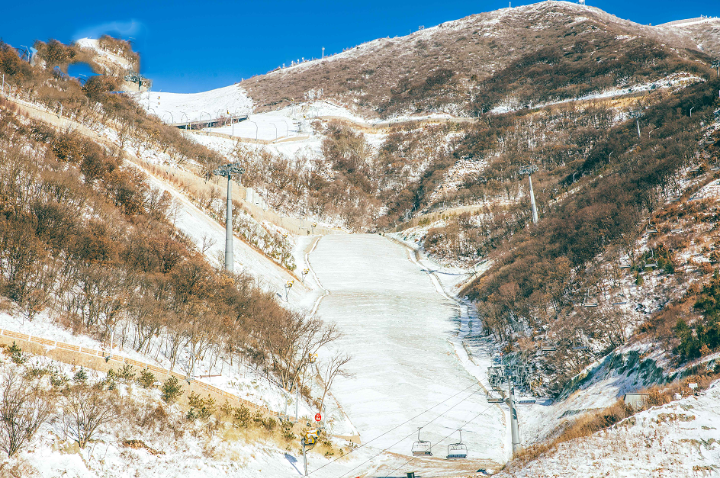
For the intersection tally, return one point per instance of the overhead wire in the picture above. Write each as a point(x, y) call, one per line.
point(406, 422)
point(408, 435)
point(440, 441)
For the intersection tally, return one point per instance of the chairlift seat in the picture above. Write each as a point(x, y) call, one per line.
point(548, 348)
point(422, 448)
point(651, 265)
point(590, 305)
point(622, 302)
point(495, 400)
point(625, 266)
point(457, 451)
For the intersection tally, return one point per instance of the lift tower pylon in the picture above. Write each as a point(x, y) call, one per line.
point(227, 171)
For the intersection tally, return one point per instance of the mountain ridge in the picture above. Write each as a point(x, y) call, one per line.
point(463, 52)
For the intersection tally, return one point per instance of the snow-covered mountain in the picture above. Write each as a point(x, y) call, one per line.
point(112, 254)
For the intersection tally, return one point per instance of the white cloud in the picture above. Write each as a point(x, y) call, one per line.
point(120, 29)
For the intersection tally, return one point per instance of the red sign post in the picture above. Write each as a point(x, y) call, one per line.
point(318, 417)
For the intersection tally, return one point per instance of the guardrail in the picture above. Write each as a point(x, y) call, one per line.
point(49, 344)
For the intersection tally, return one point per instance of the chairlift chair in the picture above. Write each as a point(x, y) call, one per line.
point(421, 447)
point(589, 304)
point(586, 303)
point(495, 399)
point(621, 299)
point(457, 450)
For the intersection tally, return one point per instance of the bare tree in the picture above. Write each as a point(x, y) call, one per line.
point(207, 243)
point(85, 409)
point(289, 339)
point(173, 211)
point(23, 409)
point(331, 369)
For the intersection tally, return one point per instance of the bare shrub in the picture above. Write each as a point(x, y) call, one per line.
point(331, 369)
point(85, 410)
point(23, 409)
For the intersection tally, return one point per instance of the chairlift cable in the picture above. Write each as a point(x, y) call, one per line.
point(405, 422)
point(412, 433)
point(439, 441)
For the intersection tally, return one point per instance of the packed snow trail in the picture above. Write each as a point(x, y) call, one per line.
point(398, 328)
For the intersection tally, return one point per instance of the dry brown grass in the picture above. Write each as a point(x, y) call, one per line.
point(440, 69)
point(593, 422)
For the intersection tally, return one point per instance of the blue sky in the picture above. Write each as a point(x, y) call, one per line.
point(189, 46)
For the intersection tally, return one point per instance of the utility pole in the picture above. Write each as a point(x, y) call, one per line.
point(529, 170)
point(304, 455)
point(227, 171)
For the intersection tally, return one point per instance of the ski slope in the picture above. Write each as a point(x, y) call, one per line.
point(398, 328)
point(180, 107)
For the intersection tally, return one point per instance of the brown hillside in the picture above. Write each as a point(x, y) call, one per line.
point(441, 69)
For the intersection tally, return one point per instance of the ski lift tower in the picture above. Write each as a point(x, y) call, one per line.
point(227, 171)
point(716, 65)
point(500, 374)
point(529, 170)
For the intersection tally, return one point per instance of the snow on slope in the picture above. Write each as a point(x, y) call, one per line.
point(110, 57)
point(676, 80)
point(179, 107)
point(690, 21)
point(305, 147)
point(187, 451)
point(399, 327)
point(680, 439)
point(264, 126)
point(704, 32)
point(197, 225)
